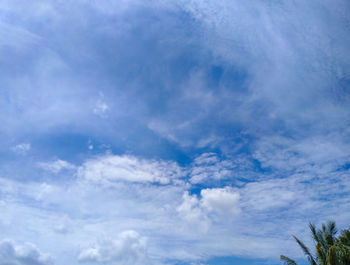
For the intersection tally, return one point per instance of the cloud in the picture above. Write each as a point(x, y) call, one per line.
point(209, 168)
point(22, 148)
point(191, 211)
point(63, 225)
point(111, 168)
point(243, 106)
point(28, 254)
point(292, 89)
point(56, 166)
point(17, 37)
point(128, 248)
point(271, 195)
point(101, 107)
point(181, 222)
point(222, 200)
point(284, 153)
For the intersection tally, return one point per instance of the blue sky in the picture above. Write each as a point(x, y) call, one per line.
point(171, 132)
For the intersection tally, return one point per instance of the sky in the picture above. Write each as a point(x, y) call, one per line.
point(167, 132)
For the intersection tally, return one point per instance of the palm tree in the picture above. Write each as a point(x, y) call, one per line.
point(330, 249)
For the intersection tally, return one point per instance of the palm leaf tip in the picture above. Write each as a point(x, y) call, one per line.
point(287, 261)
point(305, 250)
point(332, 229)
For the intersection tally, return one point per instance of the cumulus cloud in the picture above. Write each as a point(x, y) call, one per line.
point(28, 254)
point(191, 211)
point(111, 168)
point(127, 249)
point(222, 201)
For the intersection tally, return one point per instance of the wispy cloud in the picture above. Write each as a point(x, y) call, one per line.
point(110, 168)
point(21, 149)
point(101, 107)
point(56, 166)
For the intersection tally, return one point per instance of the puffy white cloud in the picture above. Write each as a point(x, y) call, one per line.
point(27, 254)
point(111, 168)
point(190, 209)
point(221, 200)
point(127, 249)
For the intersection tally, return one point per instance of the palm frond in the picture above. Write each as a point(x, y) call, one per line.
point(321, 254)
point(306, 251)
point(314, 232)
point(330, 233)
point(287, 261)
point(332, 228)
point(332, 257)
point(344, 237)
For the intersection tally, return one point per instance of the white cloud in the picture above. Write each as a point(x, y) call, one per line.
point(57, 166)
point(291, 70)
point(221, 200)
point(271, 195)
point(178, 225)
point(101, 106)
point(22, 148)
point(284, 153)
point(209, 167)
point(28, 254)
point(191, 211)
point(112, 168)
point(128, 248)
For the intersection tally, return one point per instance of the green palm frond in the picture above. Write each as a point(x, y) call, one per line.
point(330, 233)
point(306, 251)
point(330, 249)
point(344, 237)
point(332, 228)
point(314, 232)
point(321, 254)
point(342, 254)
point(332, 257)
point(287, 261)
